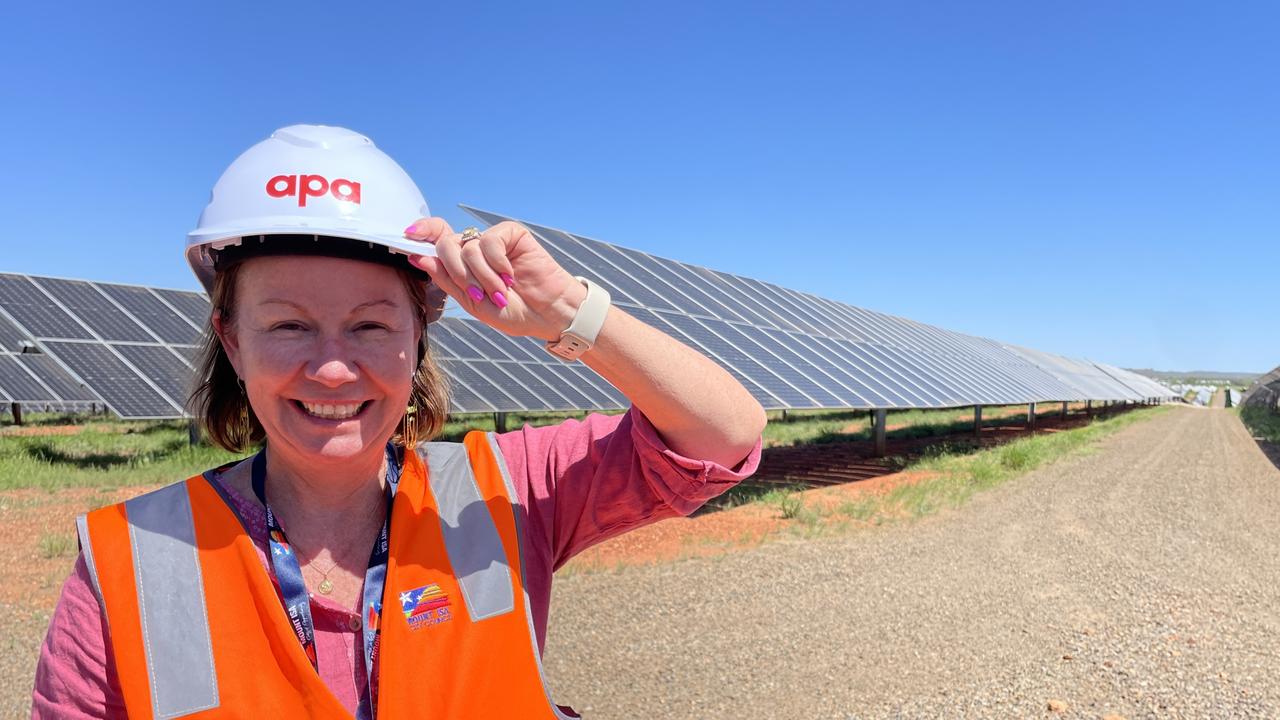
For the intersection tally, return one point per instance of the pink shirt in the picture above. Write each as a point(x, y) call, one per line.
point(578, 483)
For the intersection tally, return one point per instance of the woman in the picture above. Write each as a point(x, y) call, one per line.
point(252, 589)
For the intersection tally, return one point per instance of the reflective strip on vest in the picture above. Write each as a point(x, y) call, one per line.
point(175, 623)
point(528, 610)
point(86, 551)
point(470, 537)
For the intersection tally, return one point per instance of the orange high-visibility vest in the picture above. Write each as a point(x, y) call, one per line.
point(197, 629)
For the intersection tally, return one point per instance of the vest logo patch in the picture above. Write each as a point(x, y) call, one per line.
point(424, 606)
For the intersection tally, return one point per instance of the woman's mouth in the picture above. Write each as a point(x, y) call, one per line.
point(332, 411)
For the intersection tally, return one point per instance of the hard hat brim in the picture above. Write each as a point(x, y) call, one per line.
point(201, 243)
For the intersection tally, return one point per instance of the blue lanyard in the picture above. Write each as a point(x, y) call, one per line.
point(293, 589)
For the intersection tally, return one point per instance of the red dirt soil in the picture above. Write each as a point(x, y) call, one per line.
point(847, 470)
point(27, 577)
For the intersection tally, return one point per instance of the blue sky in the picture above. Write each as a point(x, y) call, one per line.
point(1093, 179)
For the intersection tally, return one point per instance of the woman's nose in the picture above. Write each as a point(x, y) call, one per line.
point(332, 366)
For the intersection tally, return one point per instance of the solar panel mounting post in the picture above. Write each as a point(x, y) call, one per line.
point(1064, 409)
point(16, 410)
point(500, 422)
point(977, 421)
point(878, 418)
point(1031, 416)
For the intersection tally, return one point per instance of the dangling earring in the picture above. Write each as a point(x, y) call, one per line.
point(246, 428)
point(409, 429)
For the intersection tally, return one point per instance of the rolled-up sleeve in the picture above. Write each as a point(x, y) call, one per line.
point(586, 481)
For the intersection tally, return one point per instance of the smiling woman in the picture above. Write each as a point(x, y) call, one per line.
point(270, 303)
point(318, 578)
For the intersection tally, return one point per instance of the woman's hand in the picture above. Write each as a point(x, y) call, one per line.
point(503, 278)
point(700, 410)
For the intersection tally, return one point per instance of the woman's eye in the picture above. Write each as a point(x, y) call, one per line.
point(371, 326)
point(288, 326)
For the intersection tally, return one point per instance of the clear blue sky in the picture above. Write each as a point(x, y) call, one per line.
point(1095, 179)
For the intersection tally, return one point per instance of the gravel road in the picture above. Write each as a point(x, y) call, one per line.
point(1141, 580)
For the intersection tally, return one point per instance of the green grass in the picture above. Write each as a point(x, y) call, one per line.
point(56, 545)
point(1261, 423)
point(108, 453)
point(105, 455)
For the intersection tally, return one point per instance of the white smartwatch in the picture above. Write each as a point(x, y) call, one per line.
point(581, 333)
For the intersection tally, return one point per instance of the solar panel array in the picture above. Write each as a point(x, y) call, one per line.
point(68, 343)
point(792, 349)
point(133, 347)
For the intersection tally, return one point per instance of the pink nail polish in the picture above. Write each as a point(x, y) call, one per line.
point(507, 279)
point(499, 299)
point(475, 293)
point(409, 230)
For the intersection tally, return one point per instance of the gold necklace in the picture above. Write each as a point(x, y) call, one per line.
point(325, 587)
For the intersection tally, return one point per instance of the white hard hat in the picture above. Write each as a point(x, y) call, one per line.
point(309, 180)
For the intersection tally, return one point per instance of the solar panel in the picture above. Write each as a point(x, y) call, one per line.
point(462, 397)
point(497, 399)
point(11, 338)
point(95, 310)
point(127, 394)
point(576, 397)
point(163, 368)
point(445, 344)
point(191, 354)
point(34, 312)
point(51, 374)
point(161, 319)
point(549, 396)
point(192, 306)
point(19, 386)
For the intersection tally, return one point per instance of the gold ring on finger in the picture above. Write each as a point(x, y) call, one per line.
point(469, 234)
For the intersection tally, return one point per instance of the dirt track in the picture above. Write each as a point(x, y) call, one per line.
point(1142, 579)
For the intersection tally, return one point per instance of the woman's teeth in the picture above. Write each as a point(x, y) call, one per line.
point(332, 412)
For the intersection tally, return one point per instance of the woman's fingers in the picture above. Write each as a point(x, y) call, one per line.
point(477, 260)
point(495, 254)
point(428, 229)
point(449, 253)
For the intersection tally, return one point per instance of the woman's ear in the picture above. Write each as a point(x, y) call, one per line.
point(226, 335)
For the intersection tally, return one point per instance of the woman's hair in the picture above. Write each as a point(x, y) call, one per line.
point(222, 408)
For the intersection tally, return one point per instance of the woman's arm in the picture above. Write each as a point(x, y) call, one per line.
point(700, 410)
point(75, 677)
point(507, 280)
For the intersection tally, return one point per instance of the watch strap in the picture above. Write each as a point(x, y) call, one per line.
point(581, 334)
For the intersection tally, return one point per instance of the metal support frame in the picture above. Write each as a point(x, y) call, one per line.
point(1065, 410)
point(1088, 408)
point(878, 420)
point(193, 432)
point(977, 421)
point(1031, 416)
point(16, 411)
point(500, 422)
point(784, 414)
